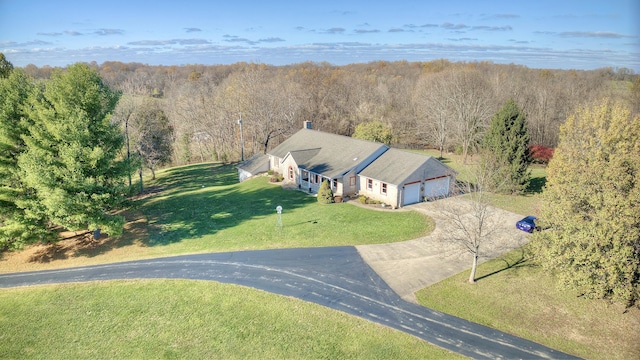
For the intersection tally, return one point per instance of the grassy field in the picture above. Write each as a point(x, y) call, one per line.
point(518, 297)
point(514, 295)
point(203, 208)
point(176, 319)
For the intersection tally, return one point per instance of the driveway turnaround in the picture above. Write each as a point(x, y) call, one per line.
point(409, 266)
point(335, 277)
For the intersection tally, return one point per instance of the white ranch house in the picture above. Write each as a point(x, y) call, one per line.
point(353, 166)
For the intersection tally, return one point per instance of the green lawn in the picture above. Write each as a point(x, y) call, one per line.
point(215, 213)
point(518, 297)
point(180, 319)
point(203, 208)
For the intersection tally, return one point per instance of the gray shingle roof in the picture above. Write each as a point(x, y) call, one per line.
point(396, 166)
point(328, 154)
point(255, 164)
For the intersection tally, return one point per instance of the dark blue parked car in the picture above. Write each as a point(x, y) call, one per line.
point(527, 224)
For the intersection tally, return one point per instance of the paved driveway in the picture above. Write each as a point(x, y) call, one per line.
point(415, 264)
point(335, 277)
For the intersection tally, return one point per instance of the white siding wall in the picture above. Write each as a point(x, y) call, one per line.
point(347, 187)
point(284, 170)
point(390, 198)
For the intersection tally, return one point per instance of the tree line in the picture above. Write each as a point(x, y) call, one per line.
point(438, 104)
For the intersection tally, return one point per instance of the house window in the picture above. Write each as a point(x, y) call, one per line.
point(335, 184)
point(352, 181)
point(290, 173)
point(369, 184)
point(383, 188)
point(317, 180)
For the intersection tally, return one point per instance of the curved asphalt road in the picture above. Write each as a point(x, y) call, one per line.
point(335, 277)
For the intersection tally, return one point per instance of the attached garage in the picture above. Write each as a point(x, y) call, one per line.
point(398, 178)
point(411, 194)
point(436, 188)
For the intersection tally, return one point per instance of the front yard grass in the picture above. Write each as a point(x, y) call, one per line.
point(202, 208)
point(181, 319)
point(518, 297)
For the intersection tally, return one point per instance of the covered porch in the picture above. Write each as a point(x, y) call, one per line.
point(311, 182)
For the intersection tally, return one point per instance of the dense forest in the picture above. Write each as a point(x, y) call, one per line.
point(437, 104)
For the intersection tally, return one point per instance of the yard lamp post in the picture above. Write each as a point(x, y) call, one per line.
point(241, 139)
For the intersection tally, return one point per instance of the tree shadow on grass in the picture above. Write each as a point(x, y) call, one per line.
point(208, 210)
point(191, 177)
point(522, 260)
point(84, 245)
point(536, 185)
point(186, 202)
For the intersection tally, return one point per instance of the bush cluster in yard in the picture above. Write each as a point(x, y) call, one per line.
point(275, 177)
point(365, 200)
point(541, 154)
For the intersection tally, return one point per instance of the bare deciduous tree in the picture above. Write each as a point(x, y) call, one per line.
point(151, 135)
point(473, 220)
point(434, 110)
point(458, 103)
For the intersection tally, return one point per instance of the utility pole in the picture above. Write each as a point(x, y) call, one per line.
point(241, 138)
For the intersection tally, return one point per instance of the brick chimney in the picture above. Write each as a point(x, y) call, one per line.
point(307, 125)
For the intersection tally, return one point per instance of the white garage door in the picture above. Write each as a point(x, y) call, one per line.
point(411, 194)
point(436, 188)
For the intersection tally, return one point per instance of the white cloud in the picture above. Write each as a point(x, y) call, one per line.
point(106, 32)
point(595, 34)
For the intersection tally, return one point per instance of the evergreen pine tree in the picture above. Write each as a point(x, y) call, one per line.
point(6, 67)
point(73, 158)
point(17, 226)
point(506, 150)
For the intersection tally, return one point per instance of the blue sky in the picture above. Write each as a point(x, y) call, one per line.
point(564, 34)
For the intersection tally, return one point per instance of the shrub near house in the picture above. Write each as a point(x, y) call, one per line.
point(325, 195)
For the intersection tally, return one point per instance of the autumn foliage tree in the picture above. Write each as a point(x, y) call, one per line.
point(373, 131)
point(592, 205)
point(540, 154)
point(151, 135)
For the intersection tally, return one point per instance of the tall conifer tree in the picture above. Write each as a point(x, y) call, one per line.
point(73, 159)
point(506, 150)
point(17, 225)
